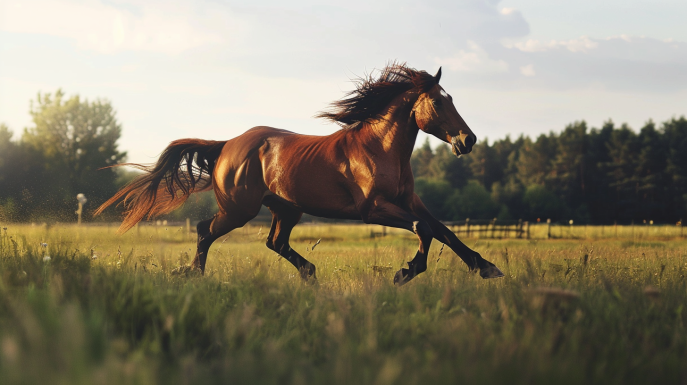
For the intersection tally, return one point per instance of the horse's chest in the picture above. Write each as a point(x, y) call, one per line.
point(388, 183)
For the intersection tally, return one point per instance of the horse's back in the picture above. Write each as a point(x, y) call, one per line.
point(302, 169)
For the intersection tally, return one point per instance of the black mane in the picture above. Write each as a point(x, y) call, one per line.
point(371, 95)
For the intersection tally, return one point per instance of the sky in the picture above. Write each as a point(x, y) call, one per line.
point(213, 69)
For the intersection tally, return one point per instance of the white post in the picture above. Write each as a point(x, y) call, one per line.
point(82, 201)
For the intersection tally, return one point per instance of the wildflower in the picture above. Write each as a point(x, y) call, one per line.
point(44, 245)
point(46, 259)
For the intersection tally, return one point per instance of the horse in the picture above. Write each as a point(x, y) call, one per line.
point(360, 172)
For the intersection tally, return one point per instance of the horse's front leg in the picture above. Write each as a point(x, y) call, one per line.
point(388, 214)
point(444, 235)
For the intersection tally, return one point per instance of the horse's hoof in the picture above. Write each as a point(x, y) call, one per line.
point(490, 272)
point(401, 277)
point(308, 273)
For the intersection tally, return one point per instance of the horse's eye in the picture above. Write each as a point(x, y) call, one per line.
point(437, 102)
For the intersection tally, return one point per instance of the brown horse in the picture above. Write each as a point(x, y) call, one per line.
point(359, 172)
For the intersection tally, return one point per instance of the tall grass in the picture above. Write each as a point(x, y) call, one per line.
point(109, 309)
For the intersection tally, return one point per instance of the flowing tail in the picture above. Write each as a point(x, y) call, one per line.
point(185, 167)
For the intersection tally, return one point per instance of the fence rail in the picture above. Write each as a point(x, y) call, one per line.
point(494, 228)
point(505, 229)
point(472, 228)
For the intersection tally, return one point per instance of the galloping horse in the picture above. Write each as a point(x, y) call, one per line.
point(359, 172)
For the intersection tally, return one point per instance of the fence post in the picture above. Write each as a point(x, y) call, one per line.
point(570, 234)
point(467, 227)
point(493, 228)
point(548, 230)
point(518, 232)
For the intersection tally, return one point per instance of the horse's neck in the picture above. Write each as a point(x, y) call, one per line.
point(396, 131)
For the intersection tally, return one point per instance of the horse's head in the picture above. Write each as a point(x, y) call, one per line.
point(435, 114)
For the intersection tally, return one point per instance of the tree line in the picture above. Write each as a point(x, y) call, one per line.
point(66, 151)
point(598, 175)
point(58, 157)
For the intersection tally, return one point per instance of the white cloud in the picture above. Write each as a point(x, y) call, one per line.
point(527, 70)
point(475, 59)
point(620, 63)
point(106, 28)
point(623, 37)
point(582, 44)
point(221, 67)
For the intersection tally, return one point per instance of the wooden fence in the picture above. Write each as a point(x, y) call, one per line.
point(481, 228)
point(493, 228)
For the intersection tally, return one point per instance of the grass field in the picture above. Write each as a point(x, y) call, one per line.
point(84, 306)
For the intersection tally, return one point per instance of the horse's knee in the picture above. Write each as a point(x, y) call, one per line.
point(281, 246)
point(283, 249)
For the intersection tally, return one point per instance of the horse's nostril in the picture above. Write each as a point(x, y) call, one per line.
point(469, 141)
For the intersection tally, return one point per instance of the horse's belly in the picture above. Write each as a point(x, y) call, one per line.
point(340, 206)
point(321, 199)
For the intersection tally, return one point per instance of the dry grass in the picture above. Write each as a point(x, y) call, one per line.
point(107, 309)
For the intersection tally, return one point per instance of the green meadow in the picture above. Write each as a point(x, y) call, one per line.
point(87, 306)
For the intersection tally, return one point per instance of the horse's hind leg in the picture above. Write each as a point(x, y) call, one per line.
point(284, 218)
point(211, 229)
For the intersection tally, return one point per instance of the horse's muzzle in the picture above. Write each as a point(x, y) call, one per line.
point(462, 147)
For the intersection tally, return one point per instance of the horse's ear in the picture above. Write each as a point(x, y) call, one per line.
point(438, 75)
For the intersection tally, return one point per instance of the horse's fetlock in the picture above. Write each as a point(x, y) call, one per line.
point(417, 267)
point(421, 268)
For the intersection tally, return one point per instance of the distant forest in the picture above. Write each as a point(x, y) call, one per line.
point(597, 175)
point(66, 152)
point(589, 175)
